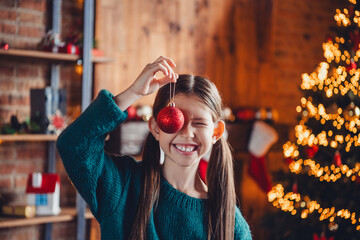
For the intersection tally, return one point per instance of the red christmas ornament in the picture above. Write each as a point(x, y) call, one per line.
point(289, 160)
point(337, 159)
point(352, 65)
point(245, 114)
point(131, 113)
point(170, 119)
point(311, 151)
point(295, 188)
point(4, 46)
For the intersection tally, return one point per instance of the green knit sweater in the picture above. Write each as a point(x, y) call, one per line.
point(111, 184)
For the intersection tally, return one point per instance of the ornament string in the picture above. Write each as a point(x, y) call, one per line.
point(172, 96)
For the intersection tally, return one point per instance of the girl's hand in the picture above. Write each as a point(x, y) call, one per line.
point(147, 83)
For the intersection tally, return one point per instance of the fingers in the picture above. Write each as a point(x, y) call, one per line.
point(168, 60)
point(168, 63)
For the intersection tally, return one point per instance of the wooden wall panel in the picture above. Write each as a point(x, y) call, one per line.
point(254, 50)
point(211, 38)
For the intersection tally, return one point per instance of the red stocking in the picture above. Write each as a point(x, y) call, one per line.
point(257, 170)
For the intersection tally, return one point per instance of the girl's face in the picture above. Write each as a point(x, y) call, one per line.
point(194, 140)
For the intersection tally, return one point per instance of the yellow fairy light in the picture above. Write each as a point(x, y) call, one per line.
point(286, 202)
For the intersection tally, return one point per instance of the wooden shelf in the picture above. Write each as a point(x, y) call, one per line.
point(40, 55)
point(50, 56)
point(28, 137)
point(66, 215)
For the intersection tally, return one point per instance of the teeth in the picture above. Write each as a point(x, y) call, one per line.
point(185, 149)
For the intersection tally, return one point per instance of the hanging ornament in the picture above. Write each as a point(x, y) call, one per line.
point(170, 119)
point(337, 159)
point(352, 65)
point(311, 151)
point(295, 188)
point(289, 160)
point(321, 237)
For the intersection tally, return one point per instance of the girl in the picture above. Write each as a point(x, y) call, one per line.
point(147, 200)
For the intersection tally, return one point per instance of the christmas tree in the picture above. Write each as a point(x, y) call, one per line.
point(319, 198)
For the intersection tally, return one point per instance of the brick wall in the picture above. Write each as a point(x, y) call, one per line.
point(23, 23)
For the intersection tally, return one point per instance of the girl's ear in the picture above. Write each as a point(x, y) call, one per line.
point(154, 128)
point(218, 130)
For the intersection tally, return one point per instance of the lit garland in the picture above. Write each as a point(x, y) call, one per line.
point(341, 17)
point(305, 137)
point(293, 202)
point(319, 80)
point(351, 119)
point(332, 52)
point(327, 173)
point(352, 1)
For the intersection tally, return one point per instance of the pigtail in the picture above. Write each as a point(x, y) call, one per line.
point(221, 192)
point(150, 187)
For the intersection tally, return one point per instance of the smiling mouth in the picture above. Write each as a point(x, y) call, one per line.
point(185, 148)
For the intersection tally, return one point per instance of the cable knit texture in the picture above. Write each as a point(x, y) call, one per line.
point(111, 184)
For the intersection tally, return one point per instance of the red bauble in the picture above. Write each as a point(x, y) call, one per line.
point(337, 159)
point(170, 119)
point(131, 113)
point(311, 151)
point(289, 160)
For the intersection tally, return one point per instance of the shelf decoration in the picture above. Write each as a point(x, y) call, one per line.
point(246, 114)
point(43, 192)
point(15, 127)
point(52, 43)
point(57, 122)
point(4, 45)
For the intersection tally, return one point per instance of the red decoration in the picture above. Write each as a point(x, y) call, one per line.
point(257, 170)
point(131, 113)
point(245, 114)
point(71, 48)
point(295, 188)
point(170, 119)
point(337, 159)
point(289, 160)
point(57, 122)
point(202, 169)
point(352, 65)
point(4, 46)
point(357, 179)
point(311, 151)
point(317, 237)
point(47, 184)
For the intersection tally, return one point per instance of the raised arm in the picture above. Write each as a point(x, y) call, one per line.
point(98, 179)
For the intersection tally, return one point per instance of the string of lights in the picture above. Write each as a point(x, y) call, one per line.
point(294, 203)
point(324, 173)
point(348, 118)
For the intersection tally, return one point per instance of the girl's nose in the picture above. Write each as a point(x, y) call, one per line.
point(187, 131)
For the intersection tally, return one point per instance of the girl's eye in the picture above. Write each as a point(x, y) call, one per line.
point(200, 124)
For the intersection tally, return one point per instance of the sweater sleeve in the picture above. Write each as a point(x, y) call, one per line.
point(96, 176)
point(242, 230)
